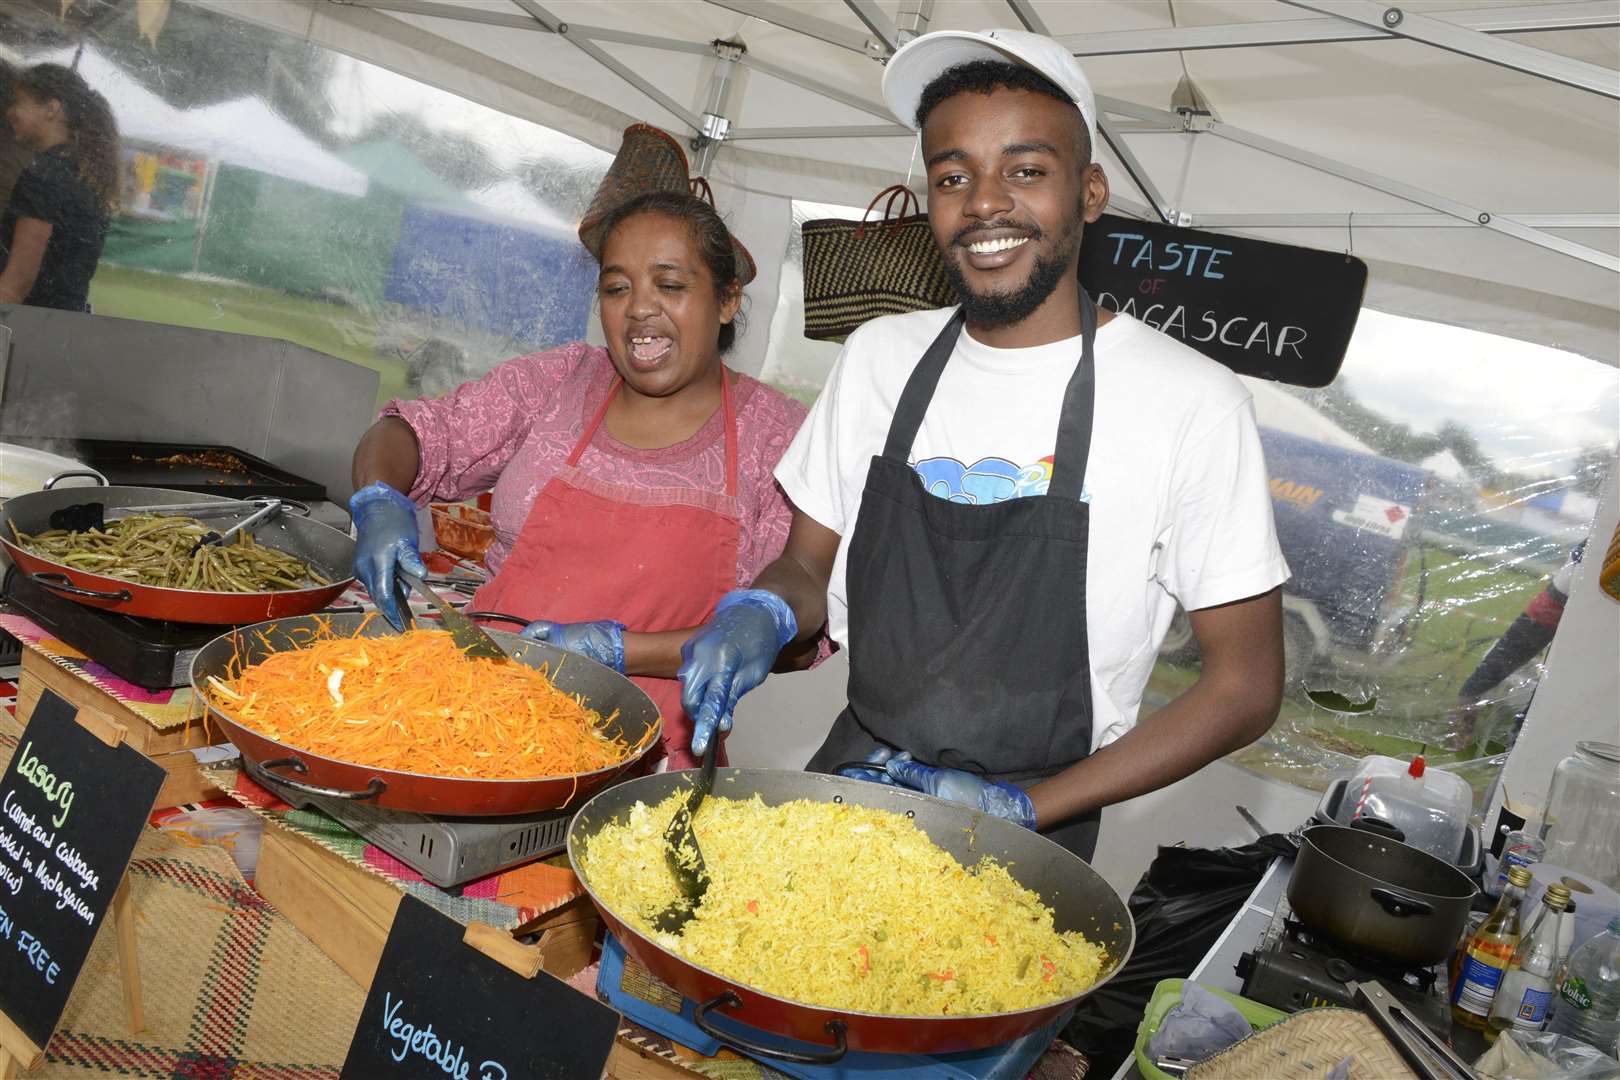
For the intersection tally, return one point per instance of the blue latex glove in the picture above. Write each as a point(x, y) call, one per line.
point(385, 528)
point(880, 756)
point(730, 656)
point(602, 640)
point(996, 797)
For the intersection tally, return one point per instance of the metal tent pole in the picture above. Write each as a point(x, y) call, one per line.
point(1458, 39)
point(1587, 15)
point(612, 63)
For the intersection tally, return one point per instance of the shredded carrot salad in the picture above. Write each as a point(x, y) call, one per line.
point(415, 703)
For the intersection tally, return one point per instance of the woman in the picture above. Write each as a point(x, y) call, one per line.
point(56, 219)
point(633, 481)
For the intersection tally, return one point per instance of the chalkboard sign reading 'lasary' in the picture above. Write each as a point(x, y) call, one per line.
point(440, 1008)
point(71, 810)
point(1274, 311)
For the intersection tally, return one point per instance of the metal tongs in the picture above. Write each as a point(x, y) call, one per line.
point(463, 631)
point(82, 517)
point(682, 854)
point(1430, 1058)
point(270, 509)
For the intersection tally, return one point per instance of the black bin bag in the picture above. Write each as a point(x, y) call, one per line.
point(1181, 906)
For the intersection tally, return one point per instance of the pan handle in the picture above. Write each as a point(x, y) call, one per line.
point(89, 474)
point(498, 616)
point(373, 789)
point(63, 584)
point(1399, 904)
point(729, 1000)
point(1379, 827)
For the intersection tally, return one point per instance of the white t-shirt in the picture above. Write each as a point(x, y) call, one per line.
point(1180, 508)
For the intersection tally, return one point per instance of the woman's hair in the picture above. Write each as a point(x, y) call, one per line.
point(710, 234)
point(92, 131)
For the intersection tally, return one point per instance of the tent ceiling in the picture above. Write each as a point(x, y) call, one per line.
point(1326, 130)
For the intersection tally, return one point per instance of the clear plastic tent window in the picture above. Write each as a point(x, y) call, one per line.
point(1429, 502)
point(277, 188)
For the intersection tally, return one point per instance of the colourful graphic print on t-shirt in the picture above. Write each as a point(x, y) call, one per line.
point(988, 480)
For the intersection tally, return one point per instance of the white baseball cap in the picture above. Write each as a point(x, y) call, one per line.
point(923, 59)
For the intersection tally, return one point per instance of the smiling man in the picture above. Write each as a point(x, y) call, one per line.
point(999, 506)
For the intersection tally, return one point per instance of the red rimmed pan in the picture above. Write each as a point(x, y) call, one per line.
point(1079, 897)
point(601, 688)
point(328, 551)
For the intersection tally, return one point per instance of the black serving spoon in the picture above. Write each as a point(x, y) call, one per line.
point(682, 854)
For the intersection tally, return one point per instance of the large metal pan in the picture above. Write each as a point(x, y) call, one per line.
point(601, 688)
point(1077, 894)
point(326, 549)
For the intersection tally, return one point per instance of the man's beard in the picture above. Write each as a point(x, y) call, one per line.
point(996, 310)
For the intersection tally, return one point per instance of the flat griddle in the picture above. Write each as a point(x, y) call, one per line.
point(136, 464)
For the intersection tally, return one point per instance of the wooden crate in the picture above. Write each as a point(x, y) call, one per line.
point(347, 912)
point(169, 748)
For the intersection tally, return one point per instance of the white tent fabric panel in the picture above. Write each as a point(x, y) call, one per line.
point(1448, 137)
point(244, 132)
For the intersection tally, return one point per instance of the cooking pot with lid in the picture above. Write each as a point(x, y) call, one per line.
point(1376, 894)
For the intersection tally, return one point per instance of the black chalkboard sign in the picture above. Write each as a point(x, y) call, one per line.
point(441, 1008)
point(1274, 311)
point(71, 809)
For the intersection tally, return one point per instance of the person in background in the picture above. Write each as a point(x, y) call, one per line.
point(633, 485)
point(55, 222)
point(14, 156)
point(1523, 641)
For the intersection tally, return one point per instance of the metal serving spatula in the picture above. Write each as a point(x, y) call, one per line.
point(682, 854)
point(463, 631)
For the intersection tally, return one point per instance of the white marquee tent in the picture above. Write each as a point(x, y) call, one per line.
point(244, 132)
point(1470, 154)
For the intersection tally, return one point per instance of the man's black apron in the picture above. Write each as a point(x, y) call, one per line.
point(967, 624)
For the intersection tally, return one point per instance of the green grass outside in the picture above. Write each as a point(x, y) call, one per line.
point(328, 327)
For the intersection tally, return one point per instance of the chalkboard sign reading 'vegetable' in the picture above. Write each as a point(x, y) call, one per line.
point(1275, 311)
point(71, 809)
point(439, 1007)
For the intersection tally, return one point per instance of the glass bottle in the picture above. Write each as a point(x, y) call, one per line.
point(1526, 992)
point(1489, 952)
point(1582, 822)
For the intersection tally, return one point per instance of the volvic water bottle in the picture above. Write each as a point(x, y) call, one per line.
point(1589, 1004)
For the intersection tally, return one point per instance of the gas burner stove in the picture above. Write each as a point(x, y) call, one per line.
point(447, 851)
point(1294, 968)
point(644, 1000)
point(147, 652)
point(152, 653)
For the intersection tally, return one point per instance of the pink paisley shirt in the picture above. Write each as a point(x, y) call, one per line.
point(514, 428)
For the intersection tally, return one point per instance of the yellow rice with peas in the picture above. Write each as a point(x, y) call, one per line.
point(844, 906)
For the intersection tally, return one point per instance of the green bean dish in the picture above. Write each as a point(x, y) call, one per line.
point(156, 549)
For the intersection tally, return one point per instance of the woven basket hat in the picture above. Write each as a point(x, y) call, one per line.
point(649, 159)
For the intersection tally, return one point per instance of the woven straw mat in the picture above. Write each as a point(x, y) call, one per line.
point(1306, 1046)
point(230, 989)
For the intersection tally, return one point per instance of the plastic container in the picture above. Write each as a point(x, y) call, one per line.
point(1588, 1004)
point(1518, 849)
point(1429, 806)
point(1582, 822)
point(237, 830)
point(1166, 995)
point(463, 530)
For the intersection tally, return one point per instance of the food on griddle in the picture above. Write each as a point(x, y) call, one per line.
point(414, 702)
point(219, 460)
point(843, 906)
point(156, 549)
